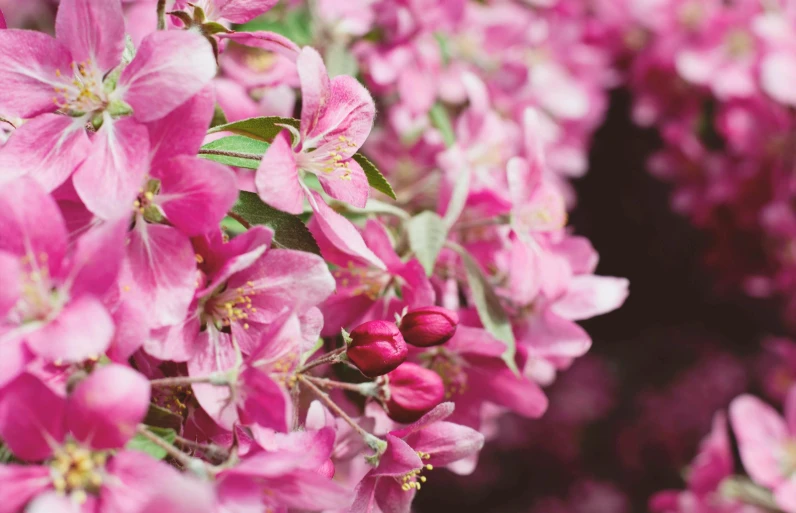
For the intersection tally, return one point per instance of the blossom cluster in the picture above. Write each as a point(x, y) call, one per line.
point(203, 308)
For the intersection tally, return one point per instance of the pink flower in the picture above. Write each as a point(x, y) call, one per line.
point(766, 441)
point(336, 118)
point(54, 291)
point(78, 74)
point(413, 452)
point(71, 436)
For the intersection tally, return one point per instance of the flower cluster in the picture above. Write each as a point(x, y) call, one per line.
point(204, 310)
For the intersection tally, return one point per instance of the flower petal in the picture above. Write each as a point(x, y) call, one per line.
point(93, 30)
point(82, 330)
point(315, 88)
point(19, 484)
point(277, 179)
point(31, 418)
point(113, 172)
point(30, 62)
point(181, 132)
point(97, 258)
point(270, 41)
point(47, 148)
point(351, 188)
point(196, 193)
point(162, 270)
point(175, 63)
point(761, 434)
point(588, 296)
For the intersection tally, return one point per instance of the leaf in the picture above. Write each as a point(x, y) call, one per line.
point(295, 24)
point(250, 151)
point(487, 303)
point(461, 190)
point(427, 233)
point(264, 129)
point(375, 178)
point(441, 120)
point(289, 231)
point(162, 418)
point(219, 118)
point(141, 443)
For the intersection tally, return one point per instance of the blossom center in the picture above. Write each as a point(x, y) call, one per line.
point(231, 306)
point(739, 43)
point(39, 298)
point(451, 369)
point(84, 93)
point(327, 162)
point(412, 479)
point(77, 471)
point(368, 281)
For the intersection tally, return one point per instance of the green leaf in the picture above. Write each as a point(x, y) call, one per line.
point(264, 129)
point(441, 120)
point(461, 190)
point(219, 118)
point(487, 303)
point(295, 24)
point(427, 233)
point(141, 443)
point(289, 231)
point(248, 152)
point(444, 47)
point(375, 178)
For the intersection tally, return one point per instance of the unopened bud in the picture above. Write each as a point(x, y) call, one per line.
point(429, 326)
point(376, 348)
point(412, 392)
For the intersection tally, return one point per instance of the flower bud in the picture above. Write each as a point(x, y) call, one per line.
point(412, 392)
point(376, 348)
point(429, 326)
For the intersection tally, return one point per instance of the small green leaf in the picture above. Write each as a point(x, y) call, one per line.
point(248, 152)
point(461, 190)
point(375, 178)
point(143, 444)
point(444, 47)
point(427, 233)
point(441, 120)
point(163, 418)
point(487, 303)
point(219, 118)
point(264, 129)
point(289, 231)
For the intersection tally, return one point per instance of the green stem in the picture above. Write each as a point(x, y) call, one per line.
point(236, 154)
point(161, 14)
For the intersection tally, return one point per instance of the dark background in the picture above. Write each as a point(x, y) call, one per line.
point(671, 318)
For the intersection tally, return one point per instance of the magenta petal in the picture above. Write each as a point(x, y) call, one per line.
point(106, 407)
point(277, 179)
point(31, 418)
point(132, 329)
point(352, 188)
point(97, 258)
point(113, 172)
point(183, 493)
point(181, 132)
point(82, 330)
point(446, 442)
point(32, 224)
point(264, 402)
point(19, 484)
point(547, 334)
point(398, 459)
point(162, 269)
point(54, 502)
point(3, 24)
point(241, 11)
point(10, 274)
point(93, 30)
point(588, 296)
point(315, 88)
point(47, 148)
point(341, 233)
point(30, 62)
point(196, 193)
point(761, 435)
point(364, 495)
point(270, 41)
point(14, 356)
point(129, 487)
point(496, 383)
point(175, 63)
point(216, 354)
point(348, 112)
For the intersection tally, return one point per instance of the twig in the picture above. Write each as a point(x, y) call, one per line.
point(332, 357)
point(236, 154)
point(161, 14)
point(186, 380)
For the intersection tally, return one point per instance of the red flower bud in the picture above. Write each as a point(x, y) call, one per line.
point(429, 326)
point(376, 348)
point(413, 391)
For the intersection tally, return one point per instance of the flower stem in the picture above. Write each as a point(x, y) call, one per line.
point(246, 224)
point(330, 383)
point(187, 380)
point(185, 460)
point(332, 357)
point(161, 14)
point(374, 442)
point(210, 450)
